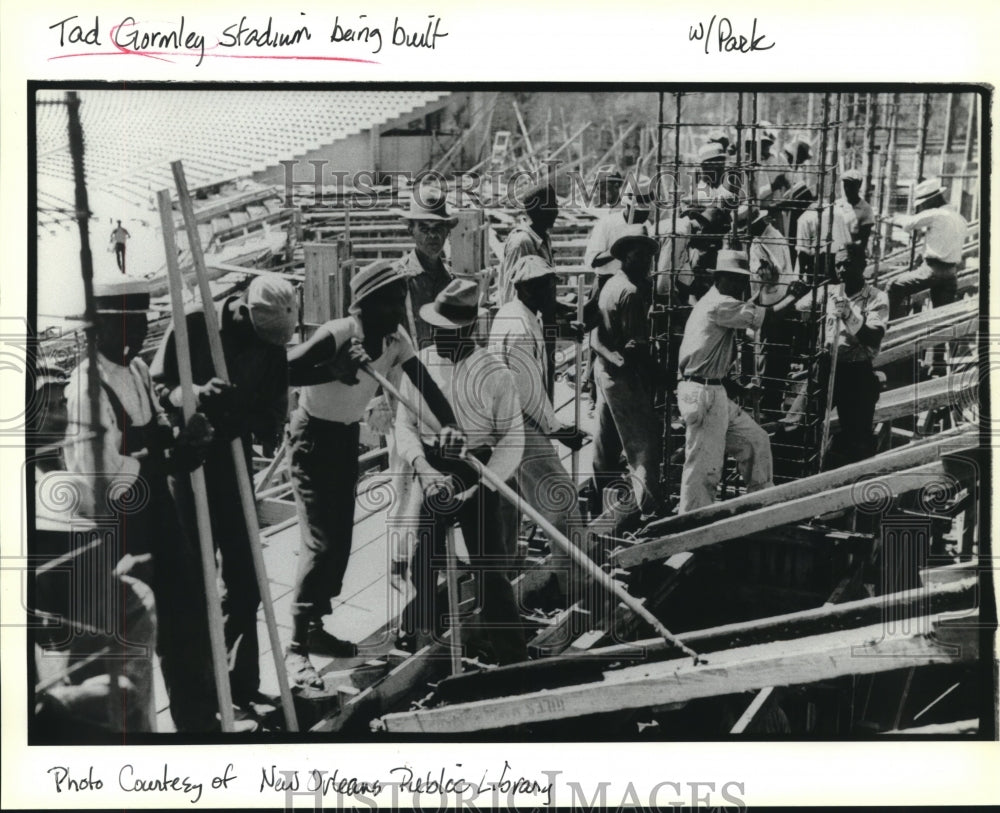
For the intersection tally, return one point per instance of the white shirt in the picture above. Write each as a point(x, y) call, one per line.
point(133, 386)
point(346, 403)
point(673, 256)
point(517, 340)
point(808, 228)
point(484, 398)
point(771, 246)
point(945, 232)
point(604, 234)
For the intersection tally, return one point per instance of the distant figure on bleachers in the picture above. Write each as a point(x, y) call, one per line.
point(864, 217)
point(944, 235)
point(119, 236)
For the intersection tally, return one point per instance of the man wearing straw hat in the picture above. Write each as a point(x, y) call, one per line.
point(484, 398)
point(429, 223)
point(323, 445)
point(944, 237)
point(714, 424)
point(139, 449)
point(625, 374)
point(254, 328)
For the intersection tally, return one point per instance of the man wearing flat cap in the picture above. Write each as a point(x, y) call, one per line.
point(323, 439)
point(484, 397)
point(944, 237)
point(139, 448)
point(625, 373)
point(254, 328)
point(429, 223)
point(715, 425)
point(516, 338)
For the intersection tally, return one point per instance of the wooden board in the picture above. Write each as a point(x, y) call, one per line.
point(867, 650)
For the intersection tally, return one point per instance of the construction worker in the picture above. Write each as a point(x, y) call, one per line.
point(857, 316)
point(516, 338)
point(864, 217)
point(626, 376)
point(323, 438)
point(484, 398)
point(718, 186)
point(715, 425)
point(771, 273)
point(541, 207)
point(139, 449)
point(637, 200)
point(429, 223)
point(944, 237)
point(119, 236)
point(816, 241)
point(254, 328)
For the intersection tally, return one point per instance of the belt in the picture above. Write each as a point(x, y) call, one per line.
point(699, 380)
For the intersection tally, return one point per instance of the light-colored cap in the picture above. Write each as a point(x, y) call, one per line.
point(927, 189)
point(273, 308)
point(374, 276)
point(531, 266)
point(732, 262)
point(852, 175)
point(118, 293)
point(709, 151)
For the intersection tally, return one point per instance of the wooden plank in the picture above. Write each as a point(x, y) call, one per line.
point(755, 707)
point(959, 727)
point(867, 650)
point(929, 600)
point(813, 505)
point(916, 454)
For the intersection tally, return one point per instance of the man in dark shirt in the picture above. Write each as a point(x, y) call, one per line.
point(254, 328)
point(625, 375)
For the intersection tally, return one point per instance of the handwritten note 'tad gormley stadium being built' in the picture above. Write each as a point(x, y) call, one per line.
point(246, 38)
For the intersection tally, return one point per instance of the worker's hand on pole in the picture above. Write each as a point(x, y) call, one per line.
point(349, 358)
point(191, 444)
point(451, 442)
point(434, 485)
point(206, 393)
point(842, 305)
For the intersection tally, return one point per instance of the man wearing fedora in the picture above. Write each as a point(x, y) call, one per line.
point(516, 338)
point(625, 372)
point(254, 328)
point(484, 398)
point(323, 438)
point(714, 424)
point(944, 237)
point(139, 448)
point(429, 223)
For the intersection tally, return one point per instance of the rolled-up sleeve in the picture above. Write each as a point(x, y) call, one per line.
point(737, 315)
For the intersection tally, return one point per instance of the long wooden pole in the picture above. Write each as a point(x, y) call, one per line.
point(571, 550)
point(239, 460)
point(451, 576)
point(578, 371)
point(214, 605)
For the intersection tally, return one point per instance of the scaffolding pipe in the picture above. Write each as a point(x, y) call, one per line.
point(919, 168)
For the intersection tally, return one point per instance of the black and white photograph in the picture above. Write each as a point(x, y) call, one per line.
point(508, 413)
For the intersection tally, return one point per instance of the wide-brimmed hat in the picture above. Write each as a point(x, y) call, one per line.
point(427, 203)
point(747, 216)
point(732, 262)
point(709, 151)
point(374, 276)
point(456, 306)
point(765, 132)
point(273, 308)
point(925, 190)
point(639, 191)
point(852, 175)
point(634, 237)
point(117, 293)
point(531, 266)
point(800, 191)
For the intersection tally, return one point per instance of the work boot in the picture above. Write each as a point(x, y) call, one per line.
point(301, 673)
point(323, 643)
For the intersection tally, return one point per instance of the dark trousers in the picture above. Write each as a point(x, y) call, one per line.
point(239, 591)
point(484, 535)
point(324, 473)
point(120, 256)
point(855, 393)
point(931, 274)
point(780, 346)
